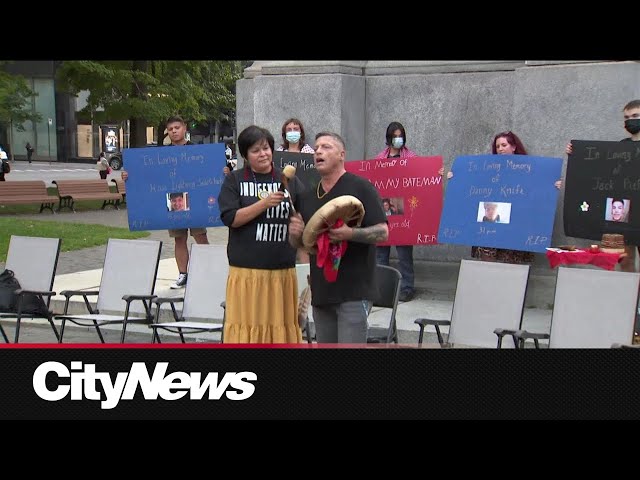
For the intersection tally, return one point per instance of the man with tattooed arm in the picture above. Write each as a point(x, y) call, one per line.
point(343, 286)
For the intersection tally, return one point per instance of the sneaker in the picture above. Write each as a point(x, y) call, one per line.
point(406, 295)
point(180, 282)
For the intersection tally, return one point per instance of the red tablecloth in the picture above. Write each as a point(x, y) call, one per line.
point(607, 261)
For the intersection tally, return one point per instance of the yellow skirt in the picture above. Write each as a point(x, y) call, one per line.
point(262, 306)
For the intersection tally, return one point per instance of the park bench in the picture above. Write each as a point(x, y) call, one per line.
point(121, 189)
point(26, 191)
point(70, 191)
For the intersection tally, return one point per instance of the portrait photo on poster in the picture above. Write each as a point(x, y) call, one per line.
point(617, 209)
point(178, 201)
point(393, 206)
point(494, 212)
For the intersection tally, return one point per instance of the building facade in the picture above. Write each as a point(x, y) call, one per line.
point(52, 136)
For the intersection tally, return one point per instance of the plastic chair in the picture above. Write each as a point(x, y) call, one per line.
point(203, 296)
point(33, 261)
point(388, 281)
point(592, 309)
point(129, 274)
point(488, 295)
point(302, 271)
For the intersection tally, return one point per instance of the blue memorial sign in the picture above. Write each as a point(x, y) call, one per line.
point(174, 186)
point(602, 190)
point(502, 201)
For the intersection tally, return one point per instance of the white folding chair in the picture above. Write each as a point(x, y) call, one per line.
point(205, 291)
point(33, 260)
point(591, 309)
point(129, 274)
point(489, 296)
point(302, 272)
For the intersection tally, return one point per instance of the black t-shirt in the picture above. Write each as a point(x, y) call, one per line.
point(262, 243)
point(356, 274)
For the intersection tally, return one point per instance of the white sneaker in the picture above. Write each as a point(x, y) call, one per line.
point(180, 282)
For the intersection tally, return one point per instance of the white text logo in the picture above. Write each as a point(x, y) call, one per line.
point(84, 379)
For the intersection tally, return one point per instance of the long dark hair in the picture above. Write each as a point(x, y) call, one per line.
point(393, 126)
point(513, 140)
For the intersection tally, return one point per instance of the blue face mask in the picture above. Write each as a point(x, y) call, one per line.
point(397, 142)
point(292, 137)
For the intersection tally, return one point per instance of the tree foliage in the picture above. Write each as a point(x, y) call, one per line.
point(153, 90)
point(15, 100)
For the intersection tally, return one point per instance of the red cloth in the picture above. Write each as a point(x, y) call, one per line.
point(604, 260)
point(330, 254)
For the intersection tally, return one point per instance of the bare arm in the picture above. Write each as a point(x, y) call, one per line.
point(373, 234)
point(296, 227)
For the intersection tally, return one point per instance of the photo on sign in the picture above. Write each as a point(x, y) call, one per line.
point(617, 210)
point(393, 206)
point(494, 212)
point(178, 201)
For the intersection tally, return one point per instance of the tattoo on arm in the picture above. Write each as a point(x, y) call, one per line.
point(373, 234)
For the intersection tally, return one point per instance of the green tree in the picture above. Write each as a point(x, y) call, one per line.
point(147, 92)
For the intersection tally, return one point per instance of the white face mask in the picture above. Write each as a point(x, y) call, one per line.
point(292, 137)
point(397, 142)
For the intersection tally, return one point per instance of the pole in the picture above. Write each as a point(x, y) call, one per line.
point(11, 140)
point(49, 137)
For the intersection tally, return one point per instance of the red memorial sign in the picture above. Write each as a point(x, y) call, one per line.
point(411, 192)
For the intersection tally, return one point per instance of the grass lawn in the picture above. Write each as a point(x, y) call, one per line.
point(74, 235)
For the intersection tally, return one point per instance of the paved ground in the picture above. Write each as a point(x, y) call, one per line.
point(49, 171)
point(81, 269)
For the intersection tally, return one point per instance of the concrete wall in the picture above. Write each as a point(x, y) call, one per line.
point(329, 102)
point(448, 108)
point(554, 104)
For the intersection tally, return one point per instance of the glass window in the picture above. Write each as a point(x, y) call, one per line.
point(45, 104)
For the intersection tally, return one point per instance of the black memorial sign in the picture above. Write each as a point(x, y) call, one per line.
point(602, 190)
point(305, 168)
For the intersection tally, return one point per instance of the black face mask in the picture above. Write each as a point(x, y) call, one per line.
point(632, 125)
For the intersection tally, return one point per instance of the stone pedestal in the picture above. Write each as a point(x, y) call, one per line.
point(448, 108)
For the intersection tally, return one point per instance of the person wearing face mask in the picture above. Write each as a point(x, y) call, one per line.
point(397, 148)
point(293, 137)
point(631, 116)
point(396, 143)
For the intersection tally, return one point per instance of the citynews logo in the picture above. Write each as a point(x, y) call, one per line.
point(84, 379)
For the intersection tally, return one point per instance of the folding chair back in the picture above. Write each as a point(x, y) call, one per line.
point(34, 261)
point(388, 283)
point(489, 295)
point(593, 308)
point(302, 271)
point(130, 268)
point(207, 284)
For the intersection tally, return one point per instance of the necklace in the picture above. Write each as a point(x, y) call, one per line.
point(318, 192)
point(261, 193)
